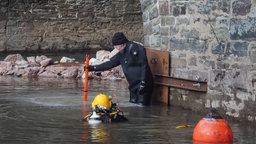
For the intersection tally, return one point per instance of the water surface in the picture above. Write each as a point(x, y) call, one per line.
point(49, 111)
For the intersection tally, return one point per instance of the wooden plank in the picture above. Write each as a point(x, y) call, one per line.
point(158, 61)
point(159, 64)
point(161, 95)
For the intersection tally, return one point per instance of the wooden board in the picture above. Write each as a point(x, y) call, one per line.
point(158, 61)
point(159, 64)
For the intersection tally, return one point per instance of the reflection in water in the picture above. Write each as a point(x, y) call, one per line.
point(85, 135)
point(50, 111)
point(196, 142)
point(85, 111)
point(99, 133)
point(95, 133)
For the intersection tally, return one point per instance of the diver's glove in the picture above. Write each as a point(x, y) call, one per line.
point(90, 68)
point(141, 89)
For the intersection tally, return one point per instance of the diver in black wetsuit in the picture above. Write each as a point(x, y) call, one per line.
point(132, 57)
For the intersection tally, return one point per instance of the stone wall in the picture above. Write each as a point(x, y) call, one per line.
point(214, 40)
point(52, 25)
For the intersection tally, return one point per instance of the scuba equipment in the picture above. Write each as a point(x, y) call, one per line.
point(94, 118)
point(104, 110)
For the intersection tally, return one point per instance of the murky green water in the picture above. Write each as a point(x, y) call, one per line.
point(43, 111)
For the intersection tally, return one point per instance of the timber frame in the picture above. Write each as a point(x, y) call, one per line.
point(159, 62)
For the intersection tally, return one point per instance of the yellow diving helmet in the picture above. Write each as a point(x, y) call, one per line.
point(102, 101)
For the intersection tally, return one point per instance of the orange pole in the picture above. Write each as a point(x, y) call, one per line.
point(86, 74)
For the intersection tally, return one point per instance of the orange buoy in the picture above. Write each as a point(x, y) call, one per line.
point(212, 130)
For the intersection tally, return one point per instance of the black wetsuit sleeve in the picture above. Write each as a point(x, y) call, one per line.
point(143, 62)
point(113, 62)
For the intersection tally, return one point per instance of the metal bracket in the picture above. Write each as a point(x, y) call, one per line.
point(181, 83)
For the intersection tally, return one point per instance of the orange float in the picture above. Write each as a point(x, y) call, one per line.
point(212, 130)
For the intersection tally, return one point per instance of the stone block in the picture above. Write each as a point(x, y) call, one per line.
point(203, 9)
point(145, 16)
point(153, 13)
point(164, 7)
point(194, 34)
point(192, 75)
point(218, 49)
point(182, 21)
point(239, 80)
point(241, 7)
point(156, 21)
point(216, 76)
point(222, 33)
point(222, 65)
point(132, 18)
point(147, 28)
point(222, 21)
point(156, 29)
point(239, 49)
point(178, 63)
point(209, 64)
point(165, 41)
point(243, 29)
point(252, 55)
point(163, 20)
point(2, 45)
point(170, 20)
point(145, 4)
point(155, 40)
point(147, 41)
point(179, 73)
point(186, 44)
point(165, 31)
point(179, 10)
point(192, 61)
point(223, 5)
point(215, 103)
point(174, 30)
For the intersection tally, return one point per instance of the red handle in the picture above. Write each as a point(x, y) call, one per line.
point(86, 74)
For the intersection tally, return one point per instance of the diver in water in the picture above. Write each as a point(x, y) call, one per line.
point(104, 110)
point(132, 57)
